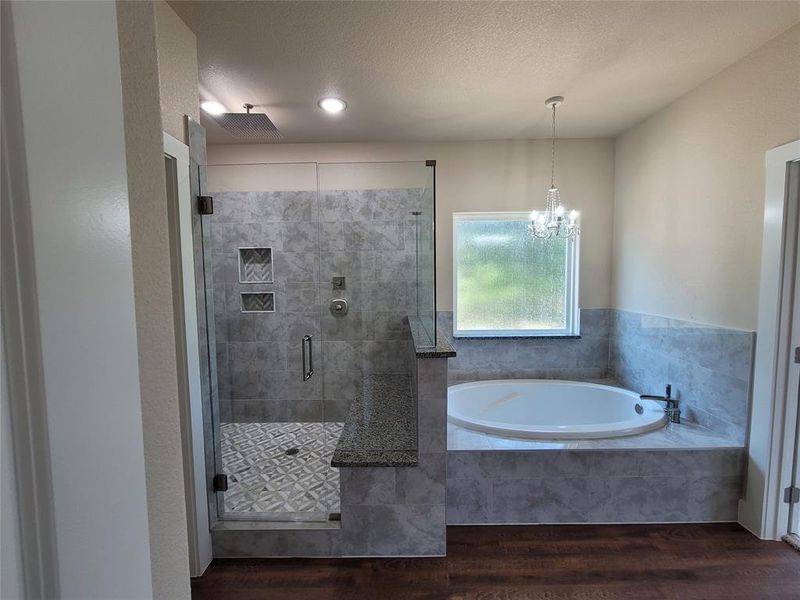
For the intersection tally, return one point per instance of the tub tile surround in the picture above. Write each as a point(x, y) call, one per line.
point(580, 358)
point(594, 486)
point(365, 235)
point(709, 367)
point(693, 471)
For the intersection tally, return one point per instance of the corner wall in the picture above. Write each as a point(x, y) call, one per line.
point(694, 174)
point(153, 294)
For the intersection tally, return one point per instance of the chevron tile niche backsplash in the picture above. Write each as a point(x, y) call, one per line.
point(258, 302)
point(255, 265)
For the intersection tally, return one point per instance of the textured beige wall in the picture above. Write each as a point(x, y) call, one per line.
point(177, 71)
point(155, 326)
point(485, 176)
point(690, 191)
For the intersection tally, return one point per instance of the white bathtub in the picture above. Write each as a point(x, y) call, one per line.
point(549, 409)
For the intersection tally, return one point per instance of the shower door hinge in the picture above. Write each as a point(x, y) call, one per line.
point(220, 482)
point(791, 495)
point(205, 205)
point(797, 355)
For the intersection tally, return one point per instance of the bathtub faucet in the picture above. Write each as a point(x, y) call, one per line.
point(672, 410)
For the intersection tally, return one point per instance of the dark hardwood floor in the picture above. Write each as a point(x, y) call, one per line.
point(570, 562)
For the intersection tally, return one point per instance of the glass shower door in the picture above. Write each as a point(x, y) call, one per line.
point(264, 261)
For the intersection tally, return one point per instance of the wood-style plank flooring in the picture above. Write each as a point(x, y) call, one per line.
point(570, 562)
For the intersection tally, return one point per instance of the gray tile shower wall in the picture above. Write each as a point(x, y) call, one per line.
point(368, 237)
point(709, 367)
point(535, 358)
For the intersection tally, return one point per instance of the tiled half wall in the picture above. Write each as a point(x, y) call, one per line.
point(709, 367)
point(386, 511)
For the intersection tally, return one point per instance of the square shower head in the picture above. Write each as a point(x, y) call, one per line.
point(251, 126)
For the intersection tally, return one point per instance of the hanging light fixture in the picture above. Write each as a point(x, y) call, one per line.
point(554, 221)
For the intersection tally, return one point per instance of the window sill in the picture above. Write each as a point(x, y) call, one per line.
point(516, 337)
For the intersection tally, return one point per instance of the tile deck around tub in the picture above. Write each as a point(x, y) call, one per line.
point(674, 436)
point(265, 481)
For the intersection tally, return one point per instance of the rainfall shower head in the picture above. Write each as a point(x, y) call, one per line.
point(251, 126)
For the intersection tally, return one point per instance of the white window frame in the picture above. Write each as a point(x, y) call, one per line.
point(572, 328)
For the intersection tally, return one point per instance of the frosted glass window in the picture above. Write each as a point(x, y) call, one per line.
point(507, 283)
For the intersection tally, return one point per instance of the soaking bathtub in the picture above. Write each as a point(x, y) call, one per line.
point(551, 409)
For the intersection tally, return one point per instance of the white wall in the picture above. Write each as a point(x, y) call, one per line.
point(75, 151)
point(155, 310)
point(177, 71)
point(485, 176)
point(689, 184)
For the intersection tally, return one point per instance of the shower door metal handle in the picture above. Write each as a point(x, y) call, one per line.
point(308, 357)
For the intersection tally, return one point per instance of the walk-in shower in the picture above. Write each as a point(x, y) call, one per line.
point(310, 270)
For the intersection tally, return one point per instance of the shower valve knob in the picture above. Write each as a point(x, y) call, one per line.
point(338, 307)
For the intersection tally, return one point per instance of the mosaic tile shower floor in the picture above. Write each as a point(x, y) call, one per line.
point(264, 481)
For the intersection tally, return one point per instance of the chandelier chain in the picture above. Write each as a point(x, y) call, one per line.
point(554, 221)
point(553, 152)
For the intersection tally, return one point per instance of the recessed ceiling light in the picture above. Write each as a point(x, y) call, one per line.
point(213, 108)
point(332, 105)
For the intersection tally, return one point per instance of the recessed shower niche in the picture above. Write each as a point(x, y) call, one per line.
point(256, 302)
point(255, 265)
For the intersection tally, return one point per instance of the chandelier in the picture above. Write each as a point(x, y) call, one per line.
point(554, 221)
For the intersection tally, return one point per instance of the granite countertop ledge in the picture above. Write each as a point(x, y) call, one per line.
point(381, 426)
point(443, 349)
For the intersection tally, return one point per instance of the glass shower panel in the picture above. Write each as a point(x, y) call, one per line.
point(426, 259)
point(264, 256)
point(369, 215)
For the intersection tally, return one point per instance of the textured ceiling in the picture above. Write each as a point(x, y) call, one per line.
point(428, 71)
